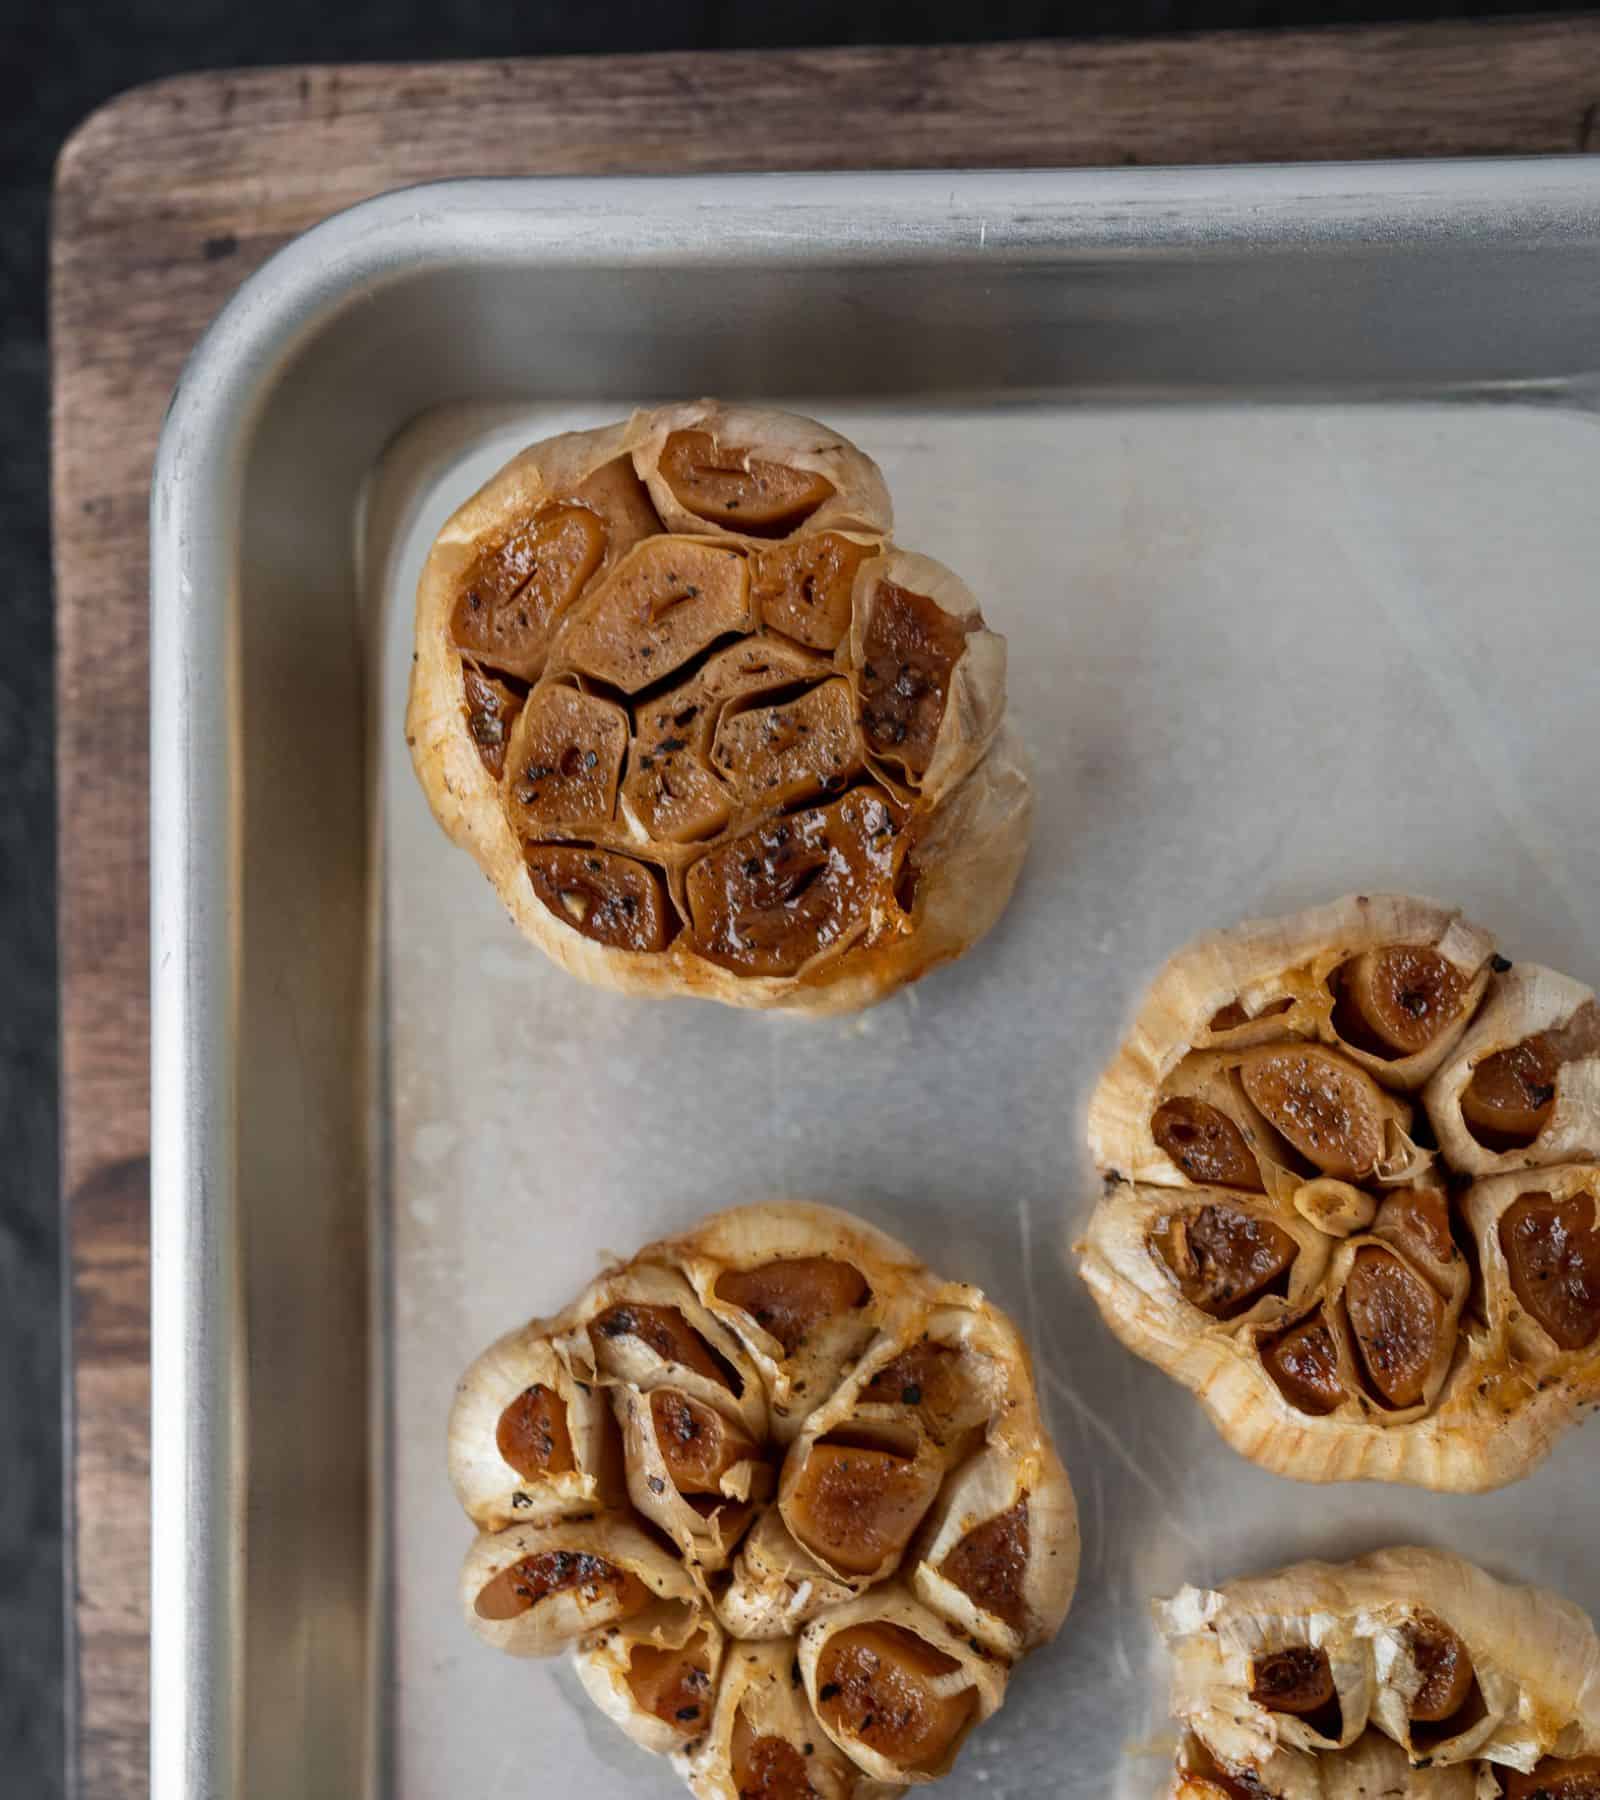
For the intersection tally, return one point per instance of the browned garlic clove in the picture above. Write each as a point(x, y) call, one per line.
point(1539, 1240)
point(531, 1590)
point(1522, 1089)
point(527, 1442)
point(655, 1674)
point(894, 1688)
point(765, 1742)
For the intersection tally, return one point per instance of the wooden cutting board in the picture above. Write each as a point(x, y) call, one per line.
point(167, 198)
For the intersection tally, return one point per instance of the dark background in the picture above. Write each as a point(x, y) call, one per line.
point(55, 69)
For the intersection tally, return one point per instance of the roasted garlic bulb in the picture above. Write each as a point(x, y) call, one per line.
point(786, 1495)
point(1408, 1672)
point(1352, 1194)
point(704, 726)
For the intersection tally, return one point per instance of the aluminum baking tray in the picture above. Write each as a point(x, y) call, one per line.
point(1285, 485)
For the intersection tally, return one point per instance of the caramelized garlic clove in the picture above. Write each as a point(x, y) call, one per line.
point(1205, 1144)
point(765, 1742)
point(532, 1590)
point(1305, 1364)
point(790, 749)
point(643, 1327)
point(515, 594)
point(894, 1688)
point(1225, 1259)
point(563, 763)
point(1396, 1001)
point(655, 1674)
point(728, 485)
point(670, 792)
point(804, 589)
point(1398, 1326)
point(692, 1471)
point(854, 1499)
point(800, 887)
point(781, 473)
point(1332, 1112)
point(616, 901)
point(930, 677)
point(1522, 1088)
point(491, 709)
point(526, 1441)
point(999, 1552)
point(668, 600)
point(1538, 1238)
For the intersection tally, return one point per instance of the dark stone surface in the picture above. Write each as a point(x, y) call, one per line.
point(58, 65)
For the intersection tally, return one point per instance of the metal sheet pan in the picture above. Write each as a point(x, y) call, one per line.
point(1282, 483)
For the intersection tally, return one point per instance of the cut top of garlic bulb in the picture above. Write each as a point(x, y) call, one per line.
point(787, 1495)
point(1401, 1662)
point(1351, 1161)
point(702, 723)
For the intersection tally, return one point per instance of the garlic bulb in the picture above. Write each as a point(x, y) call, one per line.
point(701, 723)
point(1277, 1233)
point(1404, 1672)
point(775, 1464)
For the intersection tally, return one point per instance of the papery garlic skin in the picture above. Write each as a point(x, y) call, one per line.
point(804, 1432)
point(1534, 1661)
point(926, 882)
point(1276, 1234)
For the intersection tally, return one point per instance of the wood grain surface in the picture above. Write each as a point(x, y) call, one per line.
point(167, 198)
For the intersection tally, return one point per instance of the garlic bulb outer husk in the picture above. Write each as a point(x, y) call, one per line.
point(860, 501)
point(563, 1616)
point(1265, 964)
point(1524, 1001)
point(489, 1489)
point(603, 1662)
point(893, 1605)
point(602, 1358)
point(751, 1237)
point(1535, 1656)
